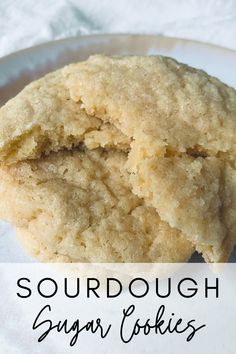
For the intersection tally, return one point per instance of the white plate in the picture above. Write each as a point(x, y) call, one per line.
point(18, 69)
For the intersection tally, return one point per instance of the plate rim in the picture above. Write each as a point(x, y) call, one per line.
point(173, 39)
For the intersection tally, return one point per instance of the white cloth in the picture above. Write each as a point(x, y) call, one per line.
point(25, 23)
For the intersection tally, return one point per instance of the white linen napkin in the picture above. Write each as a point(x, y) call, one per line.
point(28, 22)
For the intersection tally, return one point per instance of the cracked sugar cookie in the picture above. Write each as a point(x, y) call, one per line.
point(78, 206)
point(177, 122)
point(183, 123)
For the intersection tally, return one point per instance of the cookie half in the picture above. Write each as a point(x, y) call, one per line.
point(79, 205)
point(43, 118)
point(183, 126)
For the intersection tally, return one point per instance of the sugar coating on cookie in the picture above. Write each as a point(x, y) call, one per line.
point(79, 205)
point(43, 118)
point(159, 97)
point(37, 249)
point(195, 195)
point(183, 126)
